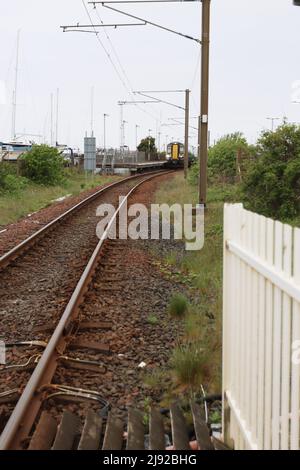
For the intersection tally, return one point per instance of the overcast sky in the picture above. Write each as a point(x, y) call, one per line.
point(254, 66)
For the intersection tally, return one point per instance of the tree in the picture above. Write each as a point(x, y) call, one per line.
point(147, 145)
point(43, 165)
point(272, 184)
point(223, 157)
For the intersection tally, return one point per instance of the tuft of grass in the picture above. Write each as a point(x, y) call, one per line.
point(189, 364)
point(155, 380)
point(152, 320)
point(215, 417)
point(178, 306)
point(195, 326)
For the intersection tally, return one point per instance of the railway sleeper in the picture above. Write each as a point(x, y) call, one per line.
point(111, 433)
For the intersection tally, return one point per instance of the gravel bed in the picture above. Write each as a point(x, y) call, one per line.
point(35, 289)
point(139, 291)
point(12, 234)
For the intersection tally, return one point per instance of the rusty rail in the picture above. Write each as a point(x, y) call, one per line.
point(23, 417)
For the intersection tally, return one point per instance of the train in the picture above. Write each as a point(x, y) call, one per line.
point(175, 155)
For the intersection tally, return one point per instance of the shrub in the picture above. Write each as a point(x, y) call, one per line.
point(193, 175)
point(9, 180)
point(178, 306)
point(222, 158)
point(43, 165)
point(272, 185)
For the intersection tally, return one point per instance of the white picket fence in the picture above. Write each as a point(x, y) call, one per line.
point(261, 332)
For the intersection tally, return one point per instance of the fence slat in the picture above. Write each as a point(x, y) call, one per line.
point(262, 231)
point(261, 331)
point(286, 342)
point(277, 318)
point(248, 299)
point(254, 327)
point(295, 373)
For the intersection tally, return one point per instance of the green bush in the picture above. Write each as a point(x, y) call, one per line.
point(272, 184)
point(222, 158)
point(43, 165)
point(178, 306)
point(9, 180)
point(193, 174)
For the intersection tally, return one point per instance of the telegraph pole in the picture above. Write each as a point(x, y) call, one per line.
point(186, 136)
point(203, 124)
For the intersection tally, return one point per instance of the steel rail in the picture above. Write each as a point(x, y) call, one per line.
point(23, 417)
point(22, 247)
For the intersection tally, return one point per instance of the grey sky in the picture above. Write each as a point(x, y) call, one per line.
point(254, 63)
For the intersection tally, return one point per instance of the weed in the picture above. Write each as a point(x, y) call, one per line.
point(155, 380)
point(189, 364)
point(152, 320)
point(178, 306)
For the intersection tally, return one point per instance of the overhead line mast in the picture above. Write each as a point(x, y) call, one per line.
point(204, 91)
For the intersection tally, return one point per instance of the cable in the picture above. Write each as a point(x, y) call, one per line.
point(196, 71)
point(114, 51)
point(102, 45)
point(128, 89)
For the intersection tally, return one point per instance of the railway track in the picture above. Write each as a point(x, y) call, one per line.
point(71, 332)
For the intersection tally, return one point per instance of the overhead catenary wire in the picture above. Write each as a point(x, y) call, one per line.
point(102, 45)
point(121, 65)
point(128, 89)
point(128, 86)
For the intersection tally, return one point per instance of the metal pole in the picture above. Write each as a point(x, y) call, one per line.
point(104, 138)
point(203, 128)
point(92, 111)
point(186, 137)
point(14, 103)
point(149, 148)
point(136, 135)
point(51, 125)
point(57, 110)
point(121, 128)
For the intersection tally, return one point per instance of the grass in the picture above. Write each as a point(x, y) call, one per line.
point(15, 205)
point(178, 306)
point(152, 320)
point(155, 379)
point(202, 273)
point(189, 363)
